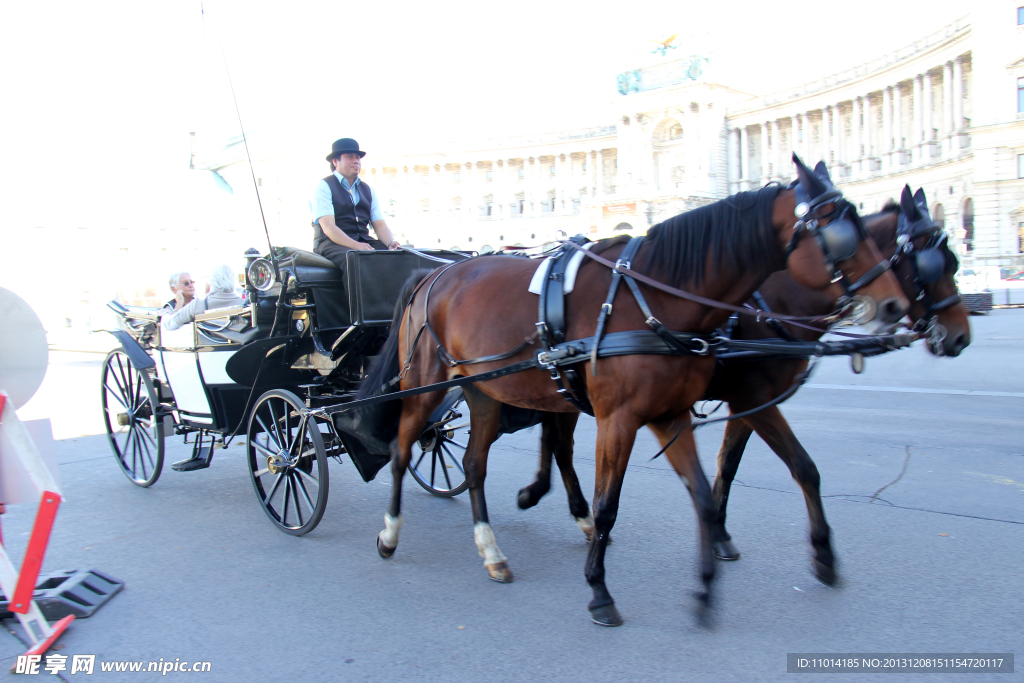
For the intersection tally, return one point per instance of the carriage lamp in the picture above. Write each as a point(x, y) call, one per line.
point(261, 275)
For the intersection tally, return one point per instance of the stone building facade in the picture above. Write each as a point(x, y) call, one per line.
point(945, 113)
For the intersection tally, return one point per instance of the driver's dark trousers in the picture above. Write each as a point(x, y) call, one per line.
point(336, 253)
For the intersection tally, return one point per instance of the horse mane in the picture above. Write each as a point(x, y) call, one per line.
point(737, 232)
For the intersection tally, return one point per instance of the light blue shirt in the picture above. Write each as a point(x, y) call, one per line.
point(322, 205)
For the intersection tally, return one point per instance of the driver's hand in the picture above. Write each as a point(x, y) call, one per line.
point(363, 246)
point(394, 245)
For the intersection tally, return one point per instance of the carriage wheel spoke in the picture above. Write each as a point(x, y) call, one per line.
point(116, 395)
point(287, 498)
point(270, 435)
point(305, 493)
point(460, 445)
point(295, 497)
point(310, 477)
point(265, 451)
point(444, 469)
point(273, 489)
point(455, 460)
point(118, 382)
point(137, 397)
point(260, 473)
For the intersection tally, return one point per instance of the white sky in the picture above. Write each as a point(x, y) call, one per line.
point(98, 97)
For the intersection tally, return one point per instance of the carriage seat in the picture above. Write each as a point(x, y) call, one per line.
point(310, 268)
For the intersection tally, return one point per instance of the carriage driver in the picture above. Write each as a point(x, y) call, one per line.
point(344, 208)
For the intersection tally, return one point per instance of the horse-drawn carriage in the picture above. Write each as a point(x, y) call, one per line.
point(303, 340)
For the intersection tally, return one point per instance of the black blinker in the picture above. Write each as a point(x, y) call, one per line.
point(931, 264)
point(841, 239)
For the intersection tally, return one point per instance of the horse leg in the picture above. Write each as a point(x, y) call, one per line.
point(737, 432)
point(484, 418)
point(562, 427)
point(614, 444)
point(682, 455)
point(531, 494)
point(771, 426)
point(414, 416)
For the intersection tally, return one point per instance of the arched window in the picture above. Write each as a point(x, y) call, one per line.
point(675, 132)
point(939, 216)
point(968, 225)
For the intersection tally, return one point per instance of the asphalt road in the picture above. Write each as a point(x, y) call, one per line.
point(930, 561)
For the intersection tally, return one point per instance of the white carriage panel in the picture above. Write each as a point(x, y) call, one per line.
point(213, 365)
point(186, 384)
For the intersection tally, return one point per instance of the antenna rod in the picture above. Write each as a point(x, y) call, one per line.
point(245, 142)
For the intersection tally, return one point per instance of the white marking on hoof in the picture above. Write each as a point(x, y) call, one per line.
point(587, 525)
point(486, 545)
point(392, 525)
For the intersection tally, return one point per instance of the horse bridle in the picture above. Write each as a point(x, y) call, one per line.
point(929, 263)
point(839, 238)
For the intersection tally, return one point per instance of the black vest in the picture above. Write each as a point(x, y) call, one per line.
point(353, 219)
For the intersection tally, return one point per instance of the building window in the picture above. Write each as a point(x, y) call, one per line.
point(490, 210)
point(1020, 238)
point(968, 224)
point(1020, 95)
point(616, 163)
point(552, 170)
point(457, 177)
point(675, 132)
point(522, 173)
point(1020, 165)
point(1020, 16)
point(490, 175)
point(585, 163)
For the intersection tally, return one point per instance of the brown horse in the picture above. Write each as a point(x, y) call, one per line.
point(924, 266)
point(723, 251)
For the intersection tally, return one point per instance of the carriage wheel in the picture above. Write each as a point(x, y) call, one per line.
point(287, 462)
point(438, 467)
point(130, 408)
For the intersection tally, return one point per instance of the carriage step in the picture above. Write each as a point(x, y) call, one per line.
point(199, 462)
point(77, 591)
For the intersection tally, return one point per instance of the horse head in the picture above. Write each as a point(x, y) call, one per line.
point(838, 255)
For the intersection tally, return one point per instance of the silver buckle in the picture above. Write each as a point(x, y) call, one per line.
point(624, 265)
point(606, 308)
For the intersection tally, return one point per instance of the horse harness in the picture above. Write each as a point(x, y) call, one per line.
point(929, 263)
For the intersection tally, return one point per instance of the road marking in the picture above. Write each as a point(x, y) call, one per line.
point(917, 390)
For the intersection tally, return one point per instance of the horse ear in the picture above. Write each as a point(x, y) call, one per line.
point(821, 170)
point(919, 197)
point(811, 183)
point(907, 205)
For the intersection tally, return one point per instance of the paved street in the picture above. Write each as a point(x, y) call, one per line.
point(930, 561)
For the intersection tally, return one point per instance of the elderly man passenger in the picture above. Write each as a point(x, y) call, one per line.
point(184, 289)
point(222, 295)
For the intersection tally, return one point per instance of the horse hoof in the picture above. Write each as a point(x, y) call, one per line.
point(725, 550)
point(606, 615)
point(499, 571)
point(524, 500)
point(703, 608)
point(825, 573)
point(384, 551)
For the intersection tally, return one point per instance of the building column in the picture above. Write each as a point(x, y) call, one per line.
point(948, 126)
point(776, 150)
point(826, 135)
point(886, 147)
point(744, 158)
point(600, 173)
point(897, 124)
point(508, 185)
point(926, 117)
point(869, 137)
point(958, 97)
point(559, 186)
point(764, 153)
point(857, 154)
point(799, 134)
point(916, 125)
point(731, 160)
point(592, 173)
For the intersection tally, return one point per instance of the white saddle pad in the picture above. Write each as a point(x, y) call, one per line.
point(537, 283)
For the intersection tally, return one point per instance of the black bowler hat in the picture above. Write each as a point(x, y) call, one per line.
point(345, 146)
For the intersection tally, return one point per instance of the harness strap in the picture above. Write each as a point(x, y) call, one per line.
point(772, 322)
point(606, 308)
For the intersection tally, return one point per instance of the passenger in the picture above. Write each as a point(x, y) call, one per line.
point(184, 289)
point(221, 294)
point(344, 208)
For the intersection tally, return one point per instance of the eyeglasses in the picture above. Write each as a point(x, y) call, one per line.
point(187, 283)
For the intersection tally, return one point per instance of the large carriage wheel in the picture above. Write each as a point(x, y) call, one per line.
point(438, 467)
point(287, 462)
point(130, 413)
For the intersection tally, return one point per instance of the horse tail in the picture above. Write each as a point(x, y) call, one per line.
point(385, 365)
